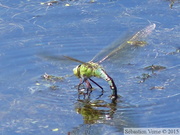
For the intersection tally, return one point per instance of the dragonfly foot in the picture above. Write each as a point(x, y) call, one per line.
point(86, 92)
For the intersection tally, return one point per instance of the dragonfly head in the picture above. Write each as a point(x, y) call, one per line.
point(76, 71)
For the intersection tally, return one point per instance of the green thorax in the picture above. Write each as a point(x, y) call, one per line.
point(88, 70)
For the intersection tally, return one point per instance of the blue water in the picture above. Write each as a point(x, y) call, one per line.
point(33, 105)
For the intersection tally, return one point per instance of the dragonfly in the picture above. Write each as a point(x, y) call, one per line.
point(86, 70)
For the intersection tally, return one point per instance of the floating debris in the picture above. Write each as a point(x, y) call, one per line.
point(155, 68)
point(137, 43)
point(37, 84)
point(143, 77)
point(171, 4)
point(54, 87)
point(157, 87)
point(92, 1)
point(55, 129)
point(52, 78)
point(174, 52)
point(67, 5)
point(4, 6)
point(49, 3)
point(178, 50)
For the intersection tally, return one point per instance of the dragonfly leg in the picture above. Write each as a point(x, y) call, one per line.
point(80, 91)
point(96, 84)
point(102, 90)
point(88, 87)
point(81, 82)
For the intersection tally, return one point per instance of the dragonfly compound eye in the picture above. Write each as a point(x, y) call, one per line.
point(76, 71)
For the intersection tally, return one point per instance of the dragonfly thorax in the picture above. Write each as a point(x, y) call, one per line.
point(88, 70)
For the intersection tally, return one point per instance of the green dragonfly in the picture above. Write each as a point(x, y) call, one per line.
point(86, 70)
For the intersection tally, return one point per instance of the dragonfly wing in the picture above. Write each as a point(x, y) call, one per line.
point(73, 59)
point(121, 47)
point(61, 58)
point(104, 53)
point(143, 33)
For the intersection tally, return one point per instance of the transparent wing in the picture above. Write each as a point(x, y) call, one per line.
point(121, 47)
point(63, 58)
point(73, 59)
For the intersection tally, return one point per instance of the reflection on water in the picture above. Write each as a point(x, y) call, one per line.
point(100, 116)
point(95, 111)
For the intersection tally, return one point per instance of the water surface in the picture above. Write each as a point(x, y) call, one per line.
point(33, 105)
